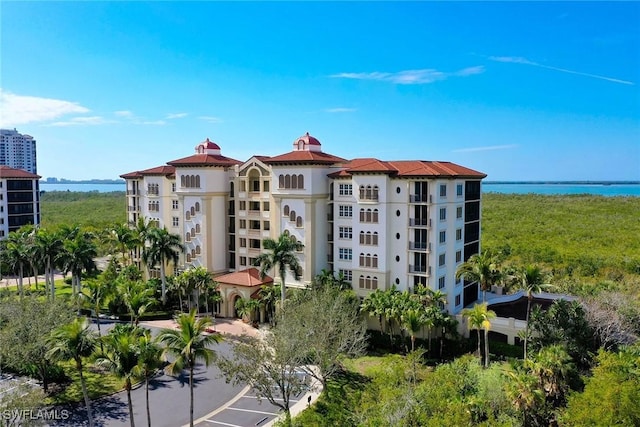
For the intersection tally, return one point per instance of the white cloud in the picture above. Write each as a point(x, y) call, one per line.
point(82, 121)
point(340, 110)
point(151, 122)
point(19, 109)
point(410, 77)
point(124, 113)
point(211, 119)
point(486, 148)
point(521, 60)
point(176, 116)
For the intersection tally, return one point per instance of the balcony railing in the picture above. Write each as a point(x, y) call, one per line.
point(330, 237)
point(419, 246)
point(417, 268)
point(132, 192)
point(417, 222)
point(420, 198)
point(329, 258)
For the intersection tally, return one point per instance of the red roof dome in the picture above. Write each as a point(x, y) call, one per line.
point(309, 139)
point(210, 145)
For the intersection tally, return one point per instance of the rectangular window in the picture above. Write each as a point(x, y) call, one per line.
point(243, 223)
point(254, 206)
point(345, 211)
point(266, 226)
point(459, 234)
point(173, 187)
point(254, 243)
point(443, 190)
point(443, 214)
point(345, 254)
point(265, 206)
point(174, 204)
point(243, 205)
point(443, 236)
point(345, 232)
point(243, 242)
point(441, 283)
point(459, 212)
point(346, 274)
point(458, 300)
point(458, 256)
point(346, 189)
point(175, 221)
point(243, 260)
point(459, 192)
point(243, 186)
point(265, 186)
point(441, 260)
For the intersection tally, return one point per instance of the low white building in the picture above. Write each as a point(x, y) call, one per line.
point(380, 223)
point(19, 199)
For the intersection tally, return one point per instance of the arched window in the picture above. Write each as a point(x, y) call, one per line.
point(281, 181)
point(362, 191)
point(187, 215)
point(368, 260)
point(362, 217)
point(299, 221)
point(182, 181)
point(374, 283)
point(197, 206)
point(198, 250)
point(293, 239)
point(188, 237)
point(300, 144)
point(193, 231)
point(375, 215)
point(287, 181)
point(374, 240)
point(361, 282)
point(231, 189)
point(285, 232)
point(193, 253)
point(197, 228)
point(368, 216)
point(197, 181)
point(374, 261)
point(294, 181)
point(192, 210)
point(375, 192)
point(368, 282)
point(301, 181)
point(363, 260)
point(285, 210)
point(368, 193)
point(292, 216)
point(188, 258)
point(362, 238)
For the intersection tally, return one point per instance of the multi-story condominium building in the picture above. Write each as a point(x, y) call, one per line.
point(379, 223)
point(18, 150)
point(19, 199)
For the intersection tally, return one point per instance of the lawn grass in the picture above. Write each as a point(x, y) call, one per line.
point(99, 383)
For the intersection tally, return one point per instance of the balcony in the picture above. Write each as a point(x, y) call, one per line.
point(420, 198)
point(330, 216)
point(329, 258)
point(133, 208)
point(419, 222)
point(132, 192)
point(417, 268)
point(419, 246)
point(330, 237)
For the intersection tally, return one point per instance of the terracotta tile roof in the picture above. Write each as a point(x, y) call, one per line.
point(9, 172)
point(205, 160)
point(158, 170)
point(305, 157)
point(407, 168)
point(249, 278)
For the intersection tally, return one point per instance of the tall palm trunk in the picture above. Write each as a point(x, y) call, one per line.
point(486, 348)
point(191, 395)
point(87, 403)
point(282, 288)
point(526, 331)
point(20, 285)
point(163, 282)
point(146, 381)
point(128, 387)
point(479, 350)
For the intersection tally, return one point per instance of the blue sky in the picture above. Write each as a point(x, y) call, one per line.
point(520, 91)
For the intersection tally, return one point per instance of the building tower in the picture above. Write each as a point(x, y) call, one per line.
point(17, 150)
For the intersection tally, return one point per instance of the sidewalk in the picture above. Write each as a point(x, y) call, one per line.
point(230, 327)
point(308, 399)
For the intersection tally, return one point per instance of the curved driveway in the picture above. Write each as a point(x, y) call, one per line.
point(168, 396)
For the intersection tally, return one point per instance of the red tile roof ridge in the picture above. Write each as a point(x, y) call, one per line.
point(205, 160)
point(249, 277)
point(9, 172)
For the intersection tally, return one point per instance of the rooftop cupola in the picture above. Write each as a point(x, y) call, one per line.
point(307, 143)
point(208, 147)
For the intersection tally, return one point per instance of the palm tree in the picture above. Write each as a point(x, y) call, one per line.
point(532, 281)
point(188, 345)
point(141, 230)
point(479, 317)
point(17, 255)
point(375, 305)
point(124, 238)
point(412, 322)
point(163, 249)
point(481, 268)
point(137, 296)
point(269, 295)
point(99, 294)
point(553, 366)
point(281, 255)
point(77, 256)
point(50, 245)
point(74, 341)
point(149, 359)
point(122, 357)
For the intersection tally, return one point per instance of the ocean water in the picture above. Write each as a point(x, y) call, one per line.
point(612, 189)
point(601, 189)
point(101, 188)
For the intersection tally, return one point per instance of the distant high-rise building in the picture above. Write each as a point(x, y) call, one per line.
point(17, 150)
point(19, 199)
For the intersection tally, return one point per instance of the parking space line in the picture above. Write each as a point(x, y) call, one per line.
point(223, 407)
point(251, 410)
point(256, 397)
point(223, 424)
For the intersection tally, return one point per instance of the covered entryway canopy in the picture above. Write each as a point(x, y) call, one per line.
point(240, 284)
